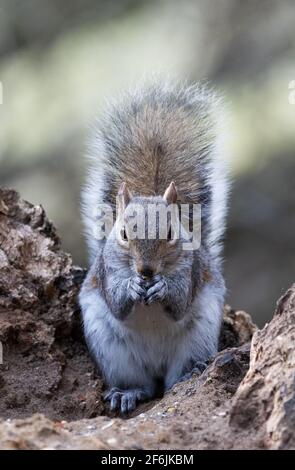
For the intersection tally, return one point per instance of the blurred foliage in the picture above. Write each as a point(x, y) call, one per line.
point(59, 60)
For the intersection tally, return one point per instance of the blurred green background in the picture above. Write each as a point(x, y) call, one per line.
point(60, 59)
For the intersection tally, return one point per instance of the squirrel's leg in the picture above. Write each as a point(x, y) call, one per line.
point(121, 289)
point(201, 340)
point(122, 292)
point(125, 375)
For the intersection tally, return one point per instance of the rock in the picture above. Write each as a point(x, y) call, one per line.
point(44, 358)
point(265, 400)
point(237, 328)
point(38, 432)
point(46, 367)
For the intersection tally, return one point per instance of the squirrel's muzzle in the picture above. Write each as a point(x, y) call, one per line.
point(146, 272)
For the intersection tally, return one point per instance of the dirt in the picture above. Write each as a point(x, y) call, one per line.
point(51, 396)
point(46, 367)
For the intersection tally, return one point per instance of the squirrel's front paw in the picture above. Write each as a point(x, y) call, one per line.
point(136, 289)
point(157, 291)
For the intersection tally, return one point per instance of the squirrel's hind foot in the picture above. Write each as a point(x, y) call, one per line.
point(125, 401)
point(197, 369)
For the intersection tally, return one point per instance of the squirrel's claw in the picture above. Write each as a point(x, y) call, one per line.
point(135, 289)
point(124, 400)
point(157, 292)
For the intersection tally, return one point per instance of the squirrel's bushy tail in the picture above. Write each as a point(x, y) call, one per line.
point(152, 136)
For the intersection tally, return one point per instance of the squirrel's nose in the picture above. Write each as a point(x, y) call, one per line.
point(146, 272)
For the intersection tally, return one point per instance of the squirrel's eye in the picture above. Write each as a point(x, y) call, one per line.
point(124, 235)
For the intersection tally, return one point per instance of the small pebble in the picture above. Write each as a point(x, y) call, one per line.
point(112, 441)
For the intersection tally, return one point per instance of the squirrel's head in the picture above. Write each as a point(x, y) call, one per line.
point(146, 228)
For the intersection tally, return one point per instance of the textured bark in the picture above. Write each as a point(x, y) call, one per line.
point(45, 363)
point(46, 368)
point(265, 399)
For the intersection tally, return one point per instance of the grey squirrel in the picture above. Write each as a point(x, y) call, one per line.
point(151, 310)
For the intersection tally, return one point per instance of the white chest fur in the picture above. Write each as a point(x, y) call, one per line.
point(153, 336)
point(151, 320)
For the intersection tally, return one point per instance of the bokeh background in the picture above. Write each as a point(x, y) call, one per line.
point(60, 59)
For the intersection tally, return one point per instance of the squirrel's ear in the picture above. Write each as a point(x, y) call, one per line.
point(170, 194)
point(124, 196)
